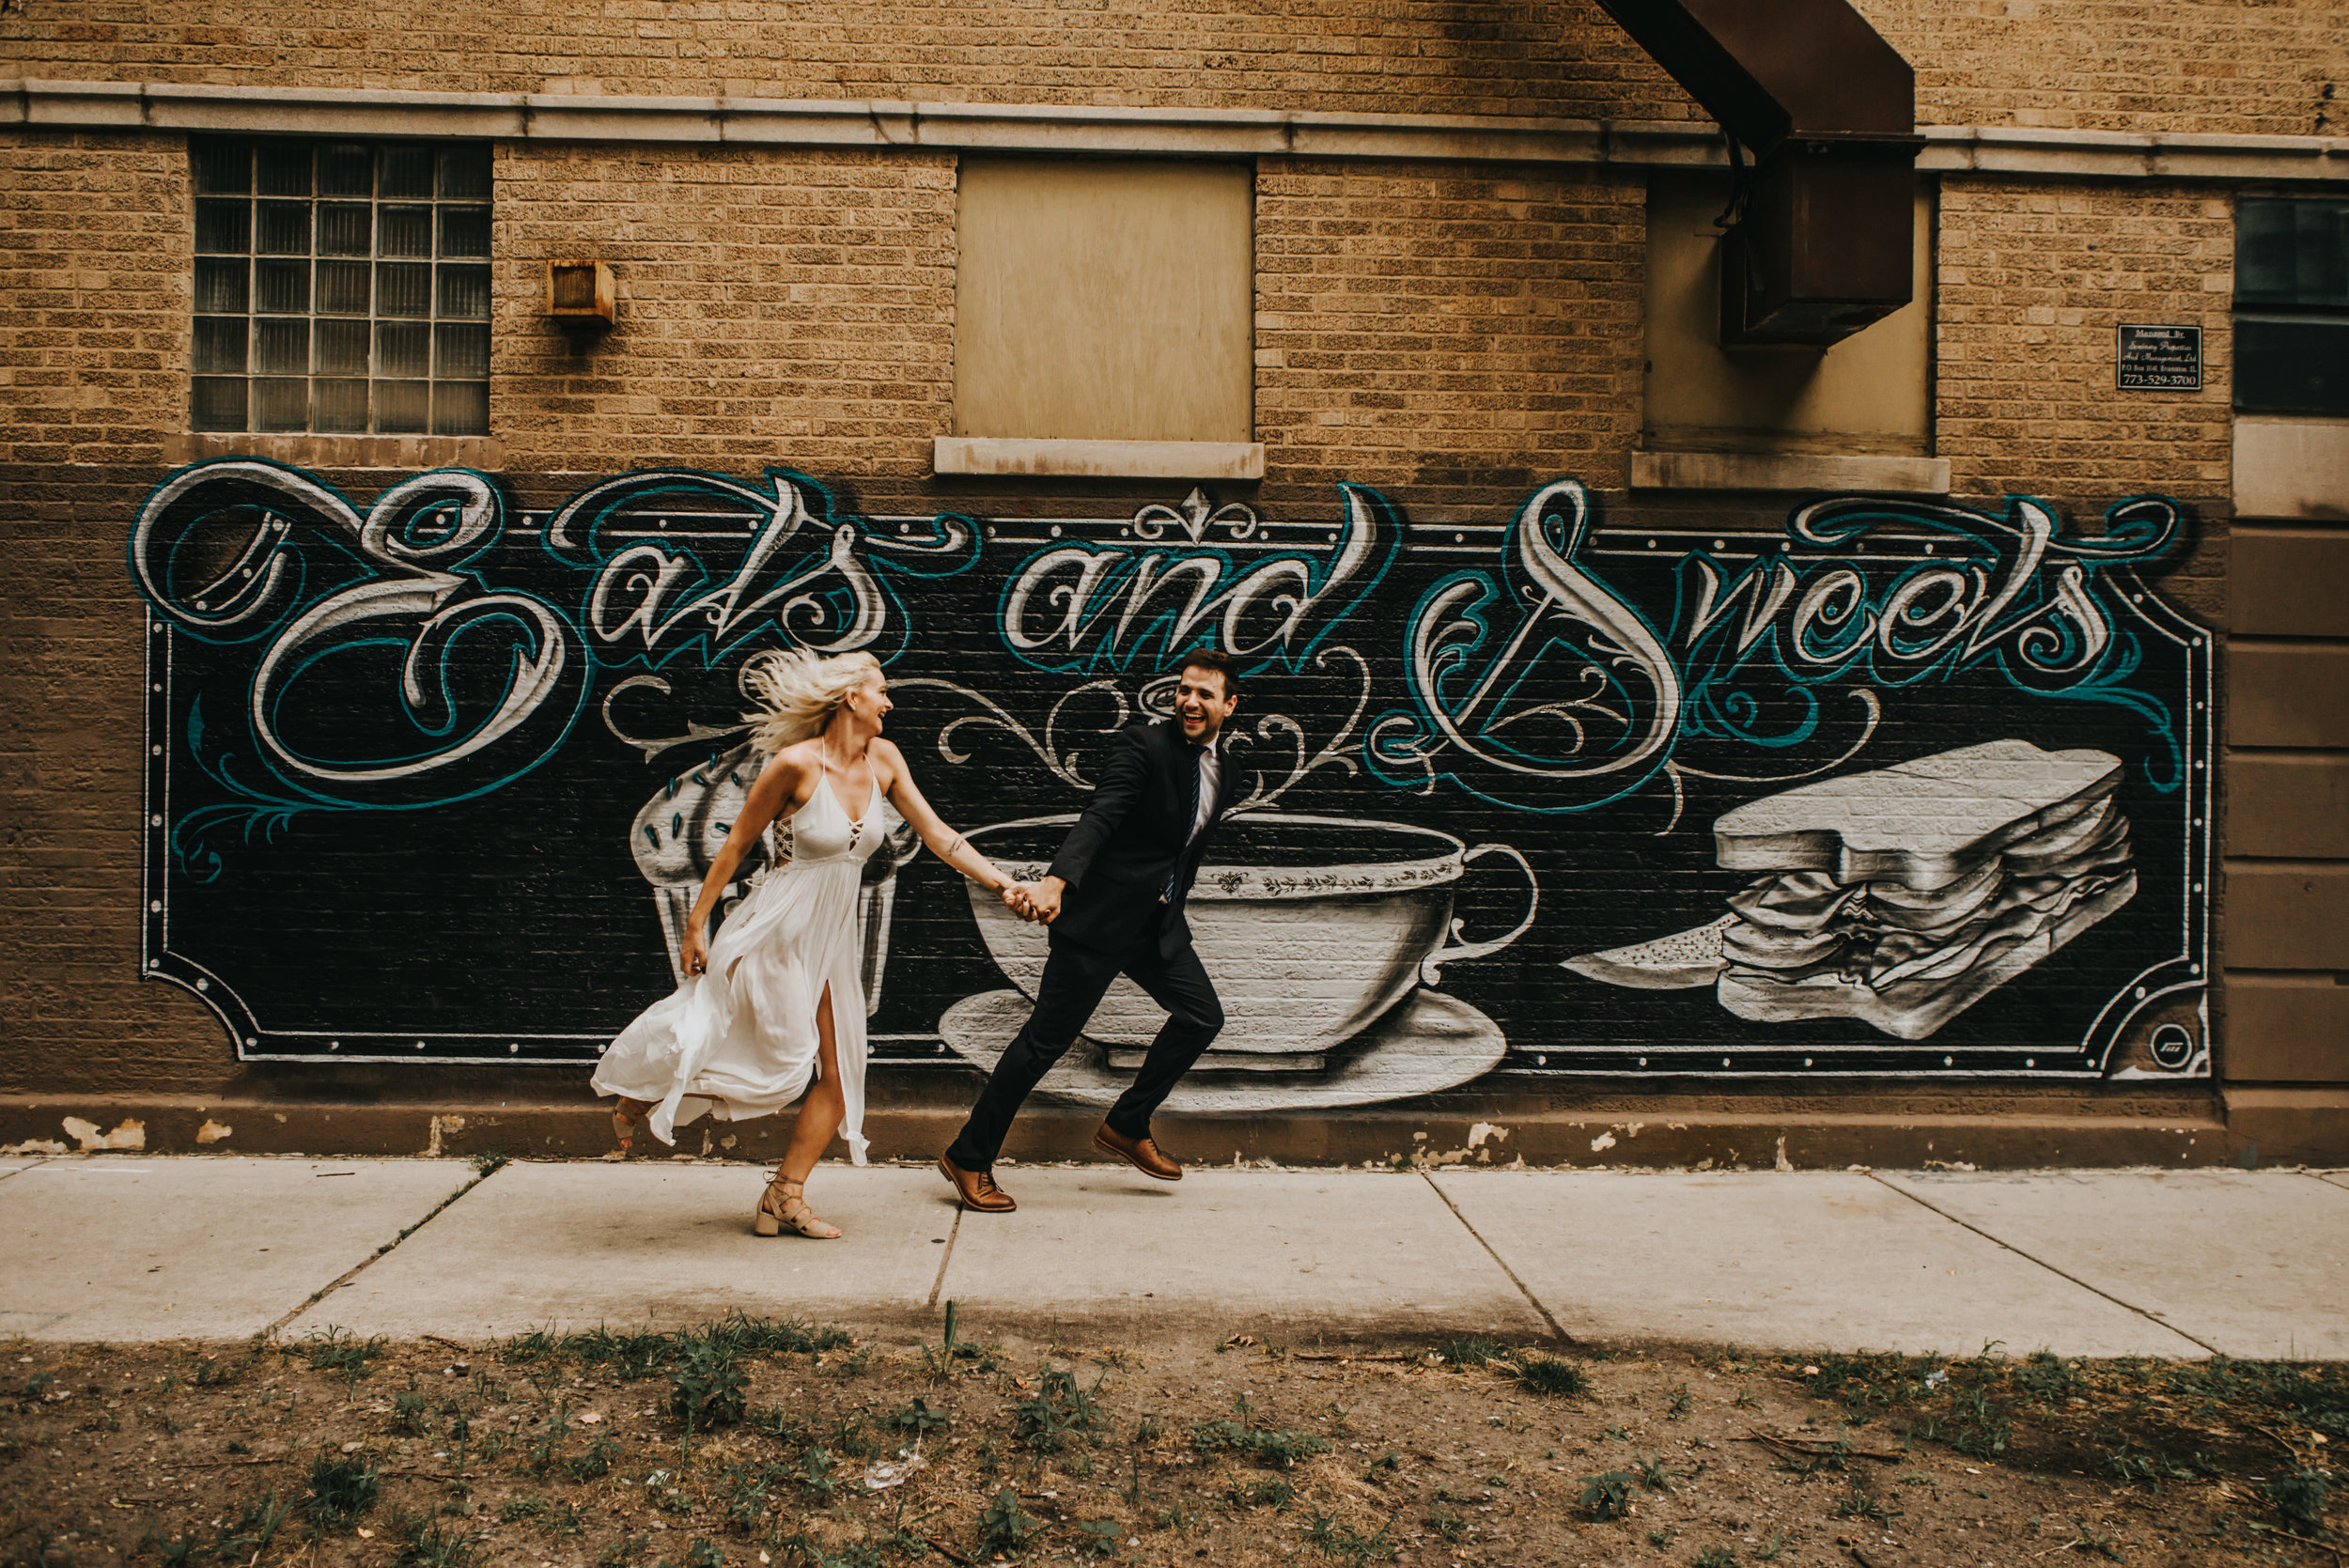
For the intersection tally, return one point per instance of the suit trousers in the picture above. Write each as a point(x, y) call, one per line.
point(1075, 979)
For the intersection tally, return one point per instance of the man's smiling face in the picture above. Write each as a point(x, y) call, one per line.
point(1201, 704)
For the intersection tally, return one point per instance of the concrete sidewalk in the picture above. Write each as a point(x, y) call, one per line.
point(2101, 1263)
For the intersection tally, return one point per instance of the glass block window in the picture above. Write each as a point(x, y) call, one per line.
point(2291, 306)
point(341, 286)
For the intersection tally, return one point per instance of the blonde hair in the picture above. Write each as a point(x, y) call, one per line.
point(797, 693)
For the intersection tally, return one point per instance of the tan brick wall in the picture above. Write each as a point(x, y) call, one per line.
point(96, 235)
point(1446, 329)
point(2261, 68)
point(1472, 59)
point(775, 307)
point(2088, 64)
point(2032, 279)
point(94, 288)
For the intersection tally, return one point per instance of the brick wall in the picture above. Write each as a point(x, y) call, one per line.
point(1453, 330)
point(2086, 64)
point(1462, 59)
point(2032, 279)
point(96, 275)
point(775, 307)
point(2122, 64)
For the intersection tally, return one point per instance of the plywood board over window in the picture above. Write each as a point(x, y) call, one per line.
point(1108, 302)
point(1869, 396)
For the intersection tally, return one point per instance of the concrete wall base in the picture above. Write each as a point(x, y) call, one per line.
point(2194, 1135)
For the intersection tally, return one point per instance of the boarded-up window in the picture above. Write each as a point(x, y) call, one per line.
point(1105, 300)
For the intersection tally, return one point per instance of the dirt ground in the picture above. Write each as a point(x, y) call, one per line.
point(753, 1442)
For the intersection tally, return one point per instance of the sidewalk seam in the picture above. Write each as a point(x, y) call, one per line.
point(952, 1232)
point(22, 1169)
point(1996, 1241)
point(1530, 1299)
point(385, 1250)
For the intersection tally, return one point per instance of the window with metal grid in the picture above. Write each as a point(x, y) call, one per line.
point(341, 286)
point(2291, 306)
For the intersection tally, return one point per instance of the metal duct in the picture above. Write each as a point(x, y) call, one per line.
point(1821, 243)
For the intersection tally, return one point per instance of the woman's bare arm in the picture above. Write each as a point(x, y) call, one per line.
point(942, 840)
point(786, 782)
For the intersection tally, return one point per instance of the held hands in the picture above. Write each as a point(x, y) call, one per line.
point(1033, 901)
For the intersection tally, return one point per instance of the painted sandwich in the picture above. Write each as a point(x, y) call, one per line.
point(1904, 895)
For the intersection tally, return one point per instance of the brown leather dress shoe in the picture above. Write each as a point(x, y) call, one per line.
point(1138, 1152)
point(976, 1188)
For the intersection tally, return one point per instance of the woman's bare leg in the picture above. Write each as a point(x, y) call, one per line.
point(821, 1109)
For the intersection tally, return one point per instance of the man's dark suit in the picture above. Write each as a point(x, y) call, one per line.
point(1133, 839)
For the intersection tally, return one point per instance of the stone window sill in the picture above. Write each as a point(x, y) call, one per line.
point(316, 451)
point(1786, 471)
point(1099, 459)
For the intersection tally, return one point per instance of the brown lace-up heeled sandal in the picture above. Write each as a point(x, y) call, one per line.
point(784, 1206)
point(627, 1115)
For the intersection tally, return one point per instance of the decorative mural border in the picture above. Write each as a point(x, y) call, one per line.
point(1601, 545)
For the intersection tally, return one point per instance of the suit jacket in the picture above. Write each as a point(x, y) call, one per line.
point(1131, 837)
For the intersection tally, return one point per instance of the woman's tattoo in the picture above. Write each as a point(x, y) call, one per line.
point(961, 843)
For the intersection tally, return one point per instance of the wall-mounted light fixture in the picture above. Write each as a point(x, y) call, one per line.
point(578, 294)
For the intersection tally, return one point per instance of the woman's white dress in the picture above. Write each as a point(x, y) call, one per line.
point(739, 1041)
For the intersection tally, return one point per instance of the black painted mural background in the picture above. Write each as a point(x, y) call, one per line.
point(399, 743)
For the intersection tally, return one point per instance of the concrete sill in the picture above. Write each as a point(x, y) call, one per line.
point(1790, 470)
point(1099, 459)
point(320, 451)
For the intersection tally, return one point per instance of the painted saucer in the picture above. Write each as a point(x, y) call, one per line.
point(1428, 1042)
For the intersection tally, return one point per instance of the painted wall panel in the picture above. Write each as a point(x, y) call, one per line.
point(2288, 583)
point(1871, 787)
point(2288, 917)
point(2287, 806)
point(1105, 300)
point(2294, 696)
point(2286, 1029)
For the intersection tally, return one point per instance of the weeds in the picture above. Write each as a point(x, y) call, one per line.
point(340, 1490)
point(1060, 1411)
point(2086, 1539)
point(1275, 1495)
point(705, 1389)
point(2300, 1498)
point(1715, 1557)
point(1273, 1450)
point(1653, 1476)
point(1003, 1527)
point(1609, 1495)
point(1470, 1351)
point(338, 1350)
point(814, 1476)
point(1547, 1374)
point(1860, 1503)
point(917, 1417)
point(1346, 1545)
point(428, 1543)
point(1676, 1402)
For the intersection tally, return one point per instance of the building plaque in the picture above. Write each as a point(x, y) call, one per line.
point(2160, 359)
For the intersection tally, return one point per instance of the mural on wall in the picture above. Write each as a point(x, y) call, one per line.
point(1881, 787)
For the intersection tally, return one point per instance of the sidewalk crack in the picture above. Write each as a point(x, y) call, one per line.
point(368, 1262)
point(1530, 1299)
point(2028, 1257)
point(940, 1284)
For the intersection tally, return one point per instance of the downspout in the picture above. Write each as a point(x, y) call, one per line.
point(1823, 233)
